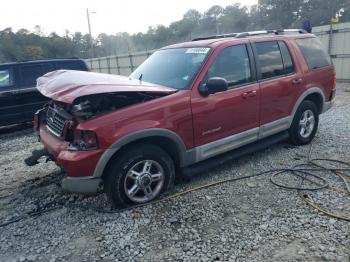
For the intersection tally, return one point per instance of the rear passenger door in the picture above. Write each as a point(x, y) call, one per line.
point(279, 83)
point(29, 98)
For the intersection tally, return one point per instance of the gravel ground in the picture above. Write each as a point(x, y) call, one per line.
point(248, 220)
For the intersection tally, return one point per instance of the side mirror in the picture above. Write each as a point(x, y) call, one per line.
point(213, 85)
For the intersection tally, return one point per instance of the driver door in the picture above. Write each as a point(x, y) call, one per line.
point(229, 119)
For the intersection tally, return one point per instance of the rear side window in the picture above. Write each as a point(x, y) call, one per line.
point(270, 59)
point(287, 59)
point(69, 66)
point(233, 65)
point(313, 52)
point(30, 73)
point(6, 78)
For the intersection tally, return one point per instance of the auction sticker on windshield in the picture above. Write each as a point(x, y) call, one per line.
point(197, 50)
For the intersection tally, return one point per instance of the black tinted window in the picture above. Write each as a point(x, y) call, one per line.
point(233, 65)
point(270, 60)
point(30, 73)
point(287, 59)
point(6, 78)
point(47, 67)
point(313, 52)
point(69, 66)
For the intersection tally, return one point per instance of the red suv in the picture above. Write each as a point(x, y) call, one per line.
point(183, 106)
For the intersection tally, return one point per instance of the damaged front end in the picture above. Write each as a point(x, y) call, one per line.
point(77, 98)
point(61, 119)
point(90, 106)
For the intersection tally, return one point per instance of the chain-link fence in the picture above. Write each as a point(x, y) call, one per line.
point(118, 64)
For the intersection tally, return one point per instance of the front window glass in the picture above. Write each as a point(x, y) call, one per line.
point(233, 65)
point(5, 78)
point(174, 68)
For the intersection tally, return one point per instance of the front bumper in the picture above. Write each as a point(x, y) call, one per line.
point(81, 185)
point(74, 163)
point(79, 165)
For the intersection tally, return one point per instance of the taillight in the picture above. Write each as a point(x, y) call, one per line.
point(84, 140)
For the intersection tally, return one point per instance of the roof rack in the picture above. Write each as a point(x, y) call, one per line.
point(253, 33)
point(215, 36)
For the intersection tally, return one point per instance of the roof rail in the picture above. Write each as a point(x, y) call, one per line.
point(253, 33)
point(215, 36)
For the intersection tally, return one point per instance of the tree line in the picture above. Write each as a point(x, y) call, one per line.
point(268, 14)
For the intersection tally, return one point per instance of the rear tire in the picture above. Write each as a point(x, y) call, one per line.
point(139, 175)
point(305, 123)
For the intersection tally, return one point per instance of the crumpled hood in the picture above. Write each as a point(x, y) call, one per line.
point(67, 85)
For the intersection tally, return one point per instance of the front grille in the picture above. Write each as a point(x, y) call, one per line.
point(55, 121)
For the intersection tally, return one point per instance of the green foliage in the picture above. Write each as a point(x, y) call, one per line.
point(269, 14)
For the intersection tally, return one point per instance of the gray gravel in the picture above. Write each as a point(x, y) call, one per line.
point(248, 220)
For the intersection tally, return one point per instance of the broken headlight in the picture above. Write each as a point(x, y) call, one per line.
point(84, 140)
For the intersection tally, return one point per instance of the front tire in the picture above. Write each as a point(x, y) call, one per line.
point(139, 175)
point(305, 123)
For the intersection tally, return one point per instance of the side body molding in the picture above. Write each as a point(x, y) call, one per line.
point(186, 156)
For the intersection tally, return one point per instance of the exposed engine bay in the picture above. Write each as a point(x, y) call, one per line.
point(87, 107)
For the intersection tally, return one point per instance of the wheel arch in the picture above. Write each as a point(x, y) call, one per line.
point(166, 139)
point(314, 94)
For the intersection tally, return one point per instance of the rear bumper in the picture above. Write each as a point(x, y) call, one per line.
point(81, 185)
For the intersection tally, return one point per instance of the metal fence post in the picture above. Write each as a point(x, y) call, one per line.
point(330, 43)
point(109, 64)
point(117, 61)
point(131, 63)
point(91, 65)
point(99, 65)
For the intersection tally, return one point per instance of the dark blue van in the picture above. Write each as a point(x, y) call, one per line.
point(19, 98)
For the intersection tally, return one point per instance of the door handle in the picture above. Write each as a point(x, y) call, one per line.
point(297, 81)
point(249, 94)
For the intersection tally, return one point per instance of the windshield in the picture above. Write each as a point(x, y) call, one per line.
point(174, 68)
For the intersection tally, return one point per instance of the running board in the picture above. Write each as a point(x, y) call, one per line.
point(206, 165)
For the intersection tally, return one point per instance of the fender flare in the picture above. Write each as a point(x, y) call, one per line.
point(309, 91)
point(184, 155)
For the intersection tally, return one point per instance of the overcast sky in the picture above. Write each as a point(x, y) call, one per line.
point(111, 16)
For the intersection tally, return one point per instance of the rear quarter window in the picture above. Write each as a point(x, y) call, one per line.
point(314, 53)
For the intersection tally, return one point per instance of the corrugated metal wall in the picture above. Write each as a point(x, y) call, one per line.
point(336, 43)
point(338, 46)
